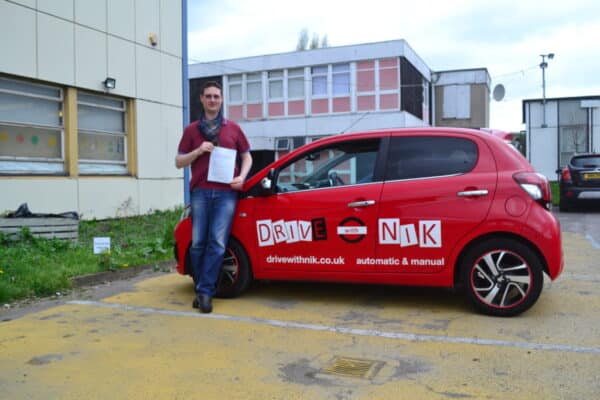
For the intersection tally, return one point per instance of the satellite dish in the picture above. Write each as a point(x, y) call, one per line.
point(499, 92)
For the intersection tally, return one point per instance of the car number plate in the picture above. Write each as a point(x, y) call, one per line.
point(589, 176)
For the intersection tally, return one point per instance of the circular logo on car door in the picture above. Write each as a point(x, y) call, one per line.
point(352, 230)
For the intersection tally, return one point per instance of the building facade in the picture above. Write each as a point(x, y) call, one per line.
point(558, 128)
point(462, 98)
point(90, 105)
point(282, 101)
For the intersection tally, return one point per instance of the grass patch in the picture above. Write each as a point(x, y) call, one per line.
point(555, 193)
point(32, 267)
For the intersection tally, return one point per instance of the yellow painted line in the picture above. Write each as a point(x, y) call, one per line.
point(350, 331)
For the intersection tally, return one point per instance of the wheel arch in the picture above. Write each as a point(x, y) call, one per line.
point(494, 235)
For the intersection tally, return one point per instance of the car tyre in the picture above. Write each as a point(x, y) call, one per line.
point(236, 274)
point(502, 277)
point(563, 206)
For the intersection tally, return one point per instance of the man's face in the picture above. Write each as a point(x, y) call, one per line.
point(211, 100)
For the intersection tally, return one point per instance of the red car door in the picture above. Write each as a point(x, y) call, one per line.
point(323, 216)
point(437, 189)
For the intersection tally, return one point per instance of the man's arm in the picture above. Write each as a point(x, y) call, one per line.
point(238, 182)
point(183, 160)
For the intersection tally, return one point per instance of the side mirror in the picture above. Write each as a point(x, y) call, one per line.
point(267, 182)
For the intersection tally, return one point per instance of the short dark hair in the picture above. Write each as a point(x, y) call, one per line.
point(208, 84)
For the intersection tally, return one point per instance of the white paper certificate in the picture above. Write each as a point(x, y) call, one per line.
point(221, 165)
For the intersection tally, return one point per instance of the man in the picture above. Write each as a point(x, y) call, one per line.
point(213, 203)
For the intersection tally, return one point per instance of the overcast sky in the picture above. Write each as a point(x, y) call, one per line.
point(506, 37)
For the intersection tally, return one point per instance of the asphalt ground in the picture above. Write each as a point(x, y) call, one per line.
point(139, 338)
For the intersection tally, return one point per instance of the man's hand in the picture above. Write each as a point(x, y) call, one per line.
point(205, 147)
point(237, 183)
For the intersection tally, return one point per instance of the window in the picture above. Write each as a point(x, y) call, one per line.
point(341, 79)
point(573, 130)
point(423, 157)
point(235, 88)
point(101, 122)
point(296, 83)
point(254, 87)
point(342, 164)
point(276, 85)
point(31, 128)
point(319, 81)
point(457, 101)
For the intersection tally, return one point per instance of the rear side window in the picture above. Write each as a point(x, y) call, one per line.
point(427, 156)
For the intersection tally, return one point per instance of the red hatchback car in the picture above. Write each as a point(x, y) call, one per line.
point(427, 206)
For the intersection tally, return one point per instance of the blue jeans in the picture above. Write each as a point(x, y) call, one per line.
point(212, 214)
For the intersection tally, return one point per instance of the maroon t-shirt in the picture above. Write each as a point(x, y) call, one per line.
point(230, 136)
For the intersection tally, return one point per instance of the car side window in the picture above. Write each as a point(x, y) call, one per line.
point(428, 156)
point(340, 164)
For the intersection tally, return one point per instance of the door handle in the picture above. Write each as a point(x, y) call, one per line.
point(473, 193)
point(364, 203)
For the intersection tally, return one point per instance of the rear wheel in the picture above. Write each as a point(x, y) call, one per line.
point(502, 277)
point(563, 205)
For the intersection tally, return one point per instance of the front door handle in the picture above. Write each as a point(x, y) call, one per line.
point(363, 203)
point(473, 193)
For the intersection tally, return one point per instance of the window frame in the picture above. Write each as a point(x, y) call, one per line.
point(101, 167)
point(30, 165)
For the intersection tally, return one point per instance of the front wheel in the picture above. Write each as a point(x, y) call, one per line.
point(502, 277)
point(235, 275)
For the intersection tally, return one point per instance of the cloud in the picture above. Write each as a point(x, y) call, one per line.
point(505, 36)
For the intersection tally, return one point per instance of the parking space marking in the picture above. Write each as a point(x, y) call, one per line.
point(594, 243)
point(350, 331)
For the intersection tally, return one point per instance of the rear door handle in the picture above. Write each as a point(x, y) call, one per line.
point(364, 203)
point(473, 193)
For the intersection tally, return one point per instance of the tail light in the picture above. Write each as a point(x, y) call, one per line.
point(537, 186)
point(565, 175)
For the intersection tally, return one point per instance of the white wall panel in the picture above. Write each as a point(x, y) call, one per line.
point(18, 56)
point(148, 74)
point(59, 194)
point(60, 8)
point(151, 141)
point(56, 50)
point(90, 58)
point(170, 26)
point(108, 197)
point(261, 133)
point(545, 143)
point(91, 13)
point(121, 65)
point(170, 81)
point(160, 194)
point(121, 18)
point(28, 3)
point(537, 115)
point(596, 130)
point(147, 20)
point(172, 129)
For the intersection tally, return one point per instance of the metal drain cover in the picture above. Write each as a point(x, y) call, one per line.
point(353, 367)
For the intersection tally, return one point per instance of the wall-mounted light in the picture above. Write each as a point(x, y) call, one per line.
point(153, 39)
point(109, 83)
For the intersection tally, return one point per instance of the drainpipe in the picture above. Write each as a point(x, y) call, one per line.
point(186, 92)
